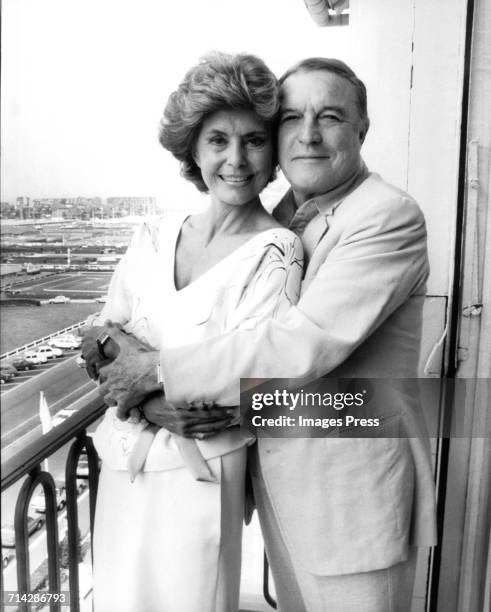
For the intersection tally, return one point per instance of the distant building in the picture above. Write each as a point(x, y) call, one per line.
point(9, 269)
point(125, 206)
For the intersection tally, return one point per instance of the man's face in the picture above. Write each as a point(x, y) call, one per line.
point(320, 133)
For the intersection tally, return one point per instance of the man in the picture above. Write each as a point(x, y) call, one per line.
point(339, 516)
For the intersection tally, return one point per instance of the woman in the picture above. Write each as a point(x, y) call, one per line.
point(168, 541)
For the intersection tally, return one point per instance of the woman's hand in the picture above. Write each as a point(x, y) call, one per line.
point(193, 422)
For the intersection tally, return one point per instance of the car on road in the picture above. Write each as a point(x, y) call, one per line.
point(8, 531)
point(102, 299)
point(8, 367)
point(35, 358)
point(6, 558)
point(65, 342)
point(5, 376)
point(83, 467)
point(51, 352)
point(59, 299)
point(21, 363)
point(38, 502)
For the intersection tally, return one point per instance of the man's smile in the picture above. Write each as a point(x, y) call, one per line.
point(309, 157)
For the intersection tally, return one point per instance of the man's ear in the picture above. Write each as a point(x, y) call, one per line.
point(363, 131)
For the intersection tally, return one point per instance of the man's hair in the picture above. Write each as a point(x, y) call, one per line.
point(338, 67)
point(218, 82)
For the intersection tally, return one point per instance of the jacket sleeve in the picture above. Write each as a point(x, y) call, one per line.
point(379, 261)
point(273, 285)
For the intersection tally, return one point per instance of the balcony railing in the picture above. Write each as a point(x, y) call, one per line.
point(28, 462)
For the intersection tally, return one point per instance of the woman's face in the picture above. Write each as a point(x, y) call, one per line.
point(234, 152)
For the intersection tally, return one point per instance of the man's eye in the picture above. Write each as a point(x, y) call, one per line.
point(287, 118)
point(330, 118)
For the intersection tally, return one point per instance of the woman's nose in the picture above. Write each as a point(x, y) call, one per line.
point(236, 155)
point(309, 132)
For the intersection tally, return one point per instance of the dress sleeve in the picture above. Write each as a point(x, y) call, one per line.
point(120, 296)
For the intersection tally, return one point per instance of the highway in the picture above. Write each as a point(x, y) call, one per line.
point(62, 382)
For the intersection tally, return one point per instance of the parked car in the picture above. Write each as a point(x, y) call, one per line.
point(38, 502)
point(65, 342)
point(102, 299)
point(8, 531)
point(35, 358)
point(21, 363)
point(83, 467)
point(59, 299)
point(8, 367)
point(51, 352)
point(72, 336)
point(5, 375)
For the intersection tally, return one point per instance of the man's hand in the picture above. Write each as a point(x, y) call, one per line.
point(194, 422)
point(132, 375)
point(91, 352)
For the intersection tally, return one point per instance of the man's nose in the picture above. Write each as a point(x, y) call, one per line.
point(236, 154)
point(309, 132)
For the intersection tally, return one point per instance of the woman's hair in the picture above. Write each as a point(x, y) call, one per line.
point(219, 82)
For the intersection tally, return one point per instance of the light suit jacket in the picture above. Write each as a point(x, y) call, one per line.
point(342, 505)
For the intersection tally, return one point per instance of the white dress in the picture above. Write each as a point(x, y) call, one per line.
point(167, 542)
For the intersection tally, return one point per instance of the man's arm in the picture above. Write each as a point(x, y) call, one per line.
point(377, 265)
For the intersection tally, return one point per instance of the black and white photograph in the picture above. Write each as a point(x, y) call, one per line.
point(245, 293)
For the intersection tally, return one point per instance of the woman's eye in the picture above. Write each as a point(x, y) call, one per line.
point(217, 140)
point(256, 141)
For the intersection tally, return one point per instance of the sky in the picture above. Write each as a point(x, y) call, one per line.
point(84, 83)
